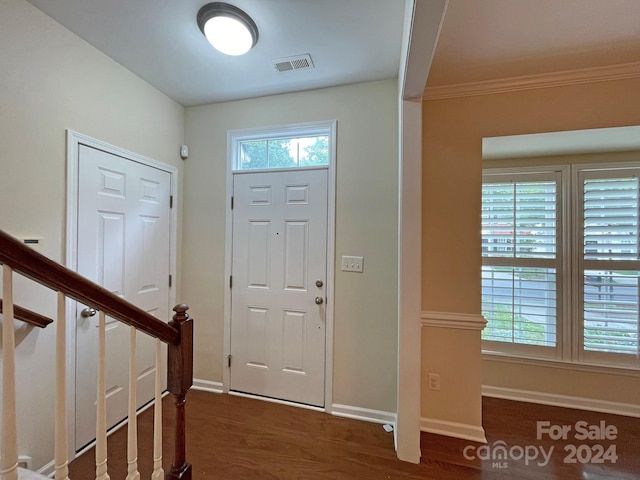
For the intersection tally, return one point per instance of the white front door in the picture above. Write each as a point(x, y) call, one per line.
point(123, 245)
point(279, 281)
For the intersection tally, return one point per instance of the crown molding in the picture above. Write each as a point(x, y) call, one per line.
point(460, 321)
point(531, 82)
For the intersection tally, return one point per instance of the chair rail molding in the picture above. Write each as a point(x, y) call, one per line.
point(461, 321)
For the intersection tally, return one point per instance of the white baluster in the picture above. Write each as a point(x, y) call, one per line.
point(158, 472)
point(61, 449)
point(9, 466)
point(132, 426)
point(101, 407)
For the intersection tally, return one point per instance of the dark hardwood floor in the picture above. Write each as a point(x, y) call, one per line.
point(232, 438)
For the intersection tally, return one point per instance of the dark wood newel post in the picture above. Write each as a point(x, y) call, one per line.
point(179, 380)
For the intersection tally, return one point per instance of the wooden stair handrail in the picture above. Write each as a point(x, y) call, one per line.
point(178, 334)
point(28, 316)
point(45, 271)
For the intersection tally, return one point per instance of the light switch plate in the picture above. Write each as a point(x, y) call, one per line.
point(352, 264)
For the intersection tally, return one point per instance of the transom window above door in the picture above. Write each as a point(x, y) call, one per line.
point(284, 153)
point(285, 147)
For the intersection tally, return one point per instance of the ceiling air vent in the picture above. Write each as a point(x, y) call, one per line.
point(287, 64)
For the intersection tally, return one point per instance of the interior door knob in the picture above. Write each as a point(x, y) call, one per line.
point(87, 312)
point(319, 300)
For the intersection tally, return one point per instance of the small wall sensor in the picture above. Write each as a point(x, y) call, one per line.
point(34, 242)
point(184, 152)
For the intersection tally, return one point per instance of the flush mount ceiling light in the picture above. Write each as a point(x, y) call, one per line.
point(229, 29)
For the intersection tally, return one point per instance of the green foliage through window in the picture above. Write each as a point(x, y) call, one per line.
point(284, 153)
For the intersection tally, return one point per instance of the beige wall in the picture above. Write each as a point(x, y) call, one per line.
point(366, 224)
point(453, 132)
point(50, 80)
point(453, 354)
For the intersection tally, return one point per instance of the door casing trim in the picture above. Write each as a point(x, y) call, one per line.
point(332, 126)
point(74, 140)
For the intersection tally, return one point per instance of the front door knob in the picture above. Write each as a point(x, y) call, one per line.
point(319, 300)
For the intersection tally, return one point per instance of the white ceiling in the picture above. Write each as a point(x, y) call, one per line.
point(349, 41)
point(491, 39)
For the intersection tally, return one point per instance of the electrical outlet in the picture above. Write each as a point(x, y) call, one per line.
point(434, 381)
point(352, 264)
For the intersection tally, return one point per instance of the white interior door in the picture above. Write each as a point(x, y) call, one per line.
point(279, 273)
point(123, 245)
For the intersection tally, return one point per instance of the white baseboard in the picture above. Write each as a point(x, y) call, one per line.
point(464, 431)
point(365, 414)
point(25, 474)
point(207, 385)
point(578, 403)
point(49, 469)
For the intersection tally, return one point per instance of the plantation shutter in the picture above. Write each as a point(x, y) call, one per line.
point(520, 238)
point(609, 264)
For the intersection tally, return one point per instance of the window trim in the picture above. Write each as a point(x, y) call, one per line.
point(558, 363)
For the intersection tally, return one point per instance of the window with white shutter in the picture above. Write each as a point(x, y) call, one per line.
point(561, 263)
point(609, 265)
point(521, 262)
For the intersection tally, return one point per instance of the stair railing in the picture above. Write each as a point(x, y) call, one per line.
point(28, 316)
point(177, 334)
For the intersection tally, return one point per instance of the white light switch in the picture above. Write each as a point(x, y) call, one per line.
point(352, 264)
